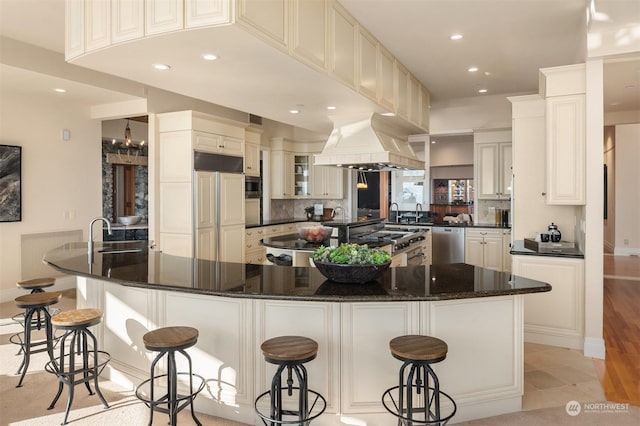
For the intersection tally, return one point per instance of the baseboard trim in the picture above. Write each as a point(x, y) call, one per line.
point(594, 347)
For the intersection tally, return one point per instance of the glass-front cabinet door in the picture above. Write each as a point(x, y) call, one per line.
point(301, 175)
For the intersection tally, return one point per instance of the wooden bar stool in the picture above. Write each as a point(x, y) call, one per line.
point(168, 341)
point(80, 361)
point(290, 353)
point(35, 304)
point(417, 353)
point(36, 285)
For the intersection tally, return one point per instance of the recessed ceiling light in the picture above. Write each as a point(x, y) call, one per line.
point(161, 67)
point(482, 91)
point(455, 37)
point(331, 107)
point(209, 57)
point(294, 111)
point(487, 73)
point(433, 142)
point(473, 69)
point(59, 90)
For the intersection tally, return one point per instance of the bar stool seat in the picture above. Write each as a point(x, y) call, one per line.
point(168, 341)
point(290, 353)
point(35, 304)
point(417, 353)
point(90, 361)
point(36, 285)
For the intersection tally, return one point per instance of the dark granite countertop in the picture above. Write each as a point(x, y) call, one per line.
point(518, 248)
point(345, 222)
point(155, 270)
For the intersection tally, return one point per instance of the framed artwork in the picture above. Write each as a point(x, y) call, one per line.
point(10, 183)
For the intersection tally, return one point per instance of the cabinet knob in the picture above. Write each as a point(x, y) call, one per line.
point(544, 194)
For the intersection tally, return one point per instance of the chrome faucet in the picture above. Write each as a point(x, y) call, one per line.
point(90, 236)
point(397, 211)
point(418, 209)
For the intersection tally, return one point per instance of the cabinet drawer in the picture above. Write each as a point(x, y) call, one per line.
point(271, 231)
point(256, 257)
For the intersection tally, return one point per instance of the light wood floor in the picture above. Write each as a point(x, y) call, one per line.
point(619, 374)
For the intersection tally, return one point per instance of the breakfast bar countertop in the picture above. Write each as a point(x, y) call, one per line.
point(131, 263)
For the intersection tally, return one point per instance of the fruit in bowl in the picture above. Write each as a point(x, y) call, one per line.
point(351, 263)
point(315, 234)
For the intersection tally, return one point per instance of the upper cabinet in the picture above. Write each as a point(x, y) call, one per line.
point(322, 34)
point(493, 171)
point(265, 18)
point(367, 64)
point(252, 152)
point(564, 92)
point(493, 164)
point(342, 45)
point(297, 177)
point(308, 35)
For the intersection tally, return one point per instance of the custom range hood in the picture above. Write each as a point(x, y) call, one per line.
point(370, 143)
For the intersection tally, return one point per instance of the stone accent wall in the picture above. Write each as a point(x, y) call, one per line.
point(141, 184)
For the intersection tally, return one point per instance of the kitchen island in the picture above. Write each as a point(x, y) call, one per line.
point(478, 312)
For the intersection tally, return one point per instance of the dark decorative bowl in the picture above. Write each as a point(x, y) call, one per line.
point(351, 273)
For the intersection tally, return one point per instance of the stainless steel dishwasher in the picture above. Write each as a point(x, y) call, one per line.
point(448, 244)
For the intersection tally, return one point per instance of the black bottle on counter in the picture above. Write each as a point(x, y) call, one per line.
point(505, 217)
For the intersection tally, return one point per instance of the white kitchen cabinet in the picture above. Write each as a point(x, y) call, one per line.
point(268, 19)
point(386, 80)
point(342, 45)
point(252, 159)
point(255, 253)
point(74, 29)
point(414, 100)
point(493, 170)
point(554, 318)
point(327, 182)
point(200, 13)
point(127, 20)
point(308, 41)
point(367, 64)
point(425, 101)
point(282, 179)
point(484, 248)
point(301, 175)
point(218, 144)
point(231, 199)
point(402, 90)
point(565, 150)
point(232, 243)
point(163, 16)
point(98, 28)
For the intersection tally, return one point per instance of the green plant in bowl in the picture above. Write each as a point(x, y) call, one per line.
point(351, 263)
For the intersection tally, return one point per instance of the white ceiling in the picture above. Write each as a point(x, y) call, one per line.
point(508, 40)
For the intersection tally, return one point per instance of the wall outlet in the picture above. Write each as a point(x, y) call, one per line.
point(626, 242)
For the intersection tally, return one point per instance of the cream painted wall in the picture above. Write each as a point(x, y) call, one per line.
point(609, 160)
point(464, 114)
point(61, 180)
point(627, 154)
point(452, 154)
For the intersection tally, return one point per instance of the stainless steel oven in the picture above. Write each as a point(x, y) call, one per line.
point(252, 187)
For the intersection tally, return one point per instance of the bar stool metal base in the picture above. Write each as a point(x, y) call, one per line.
point(79, 362)
point(305, 413)
point(420, 385)
point(36, 317)
point(171, 402)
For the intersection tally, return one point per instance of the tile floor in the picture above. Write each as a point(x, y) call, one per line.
point(554, 376)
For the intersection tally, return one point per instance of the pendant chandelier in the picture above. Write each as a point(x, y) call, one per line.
point(362, 180)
